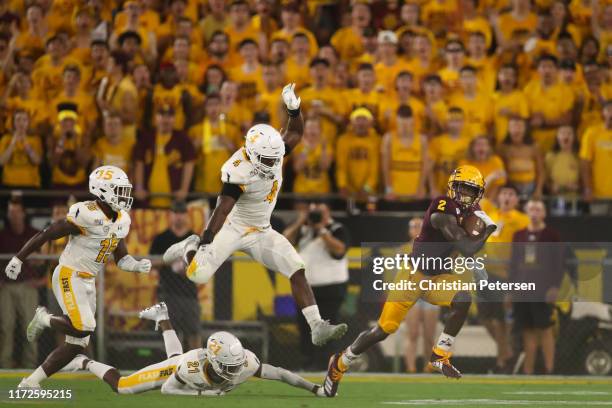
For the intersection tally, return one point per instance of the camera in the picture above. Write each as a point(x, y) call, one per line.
point(315, 217)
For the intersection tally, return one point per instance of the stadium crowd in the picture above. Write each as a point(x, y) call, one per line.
point(395, 93)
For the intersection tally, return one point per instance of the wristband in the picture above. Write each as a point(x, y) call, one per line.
point(293, 112)
point(207, 237)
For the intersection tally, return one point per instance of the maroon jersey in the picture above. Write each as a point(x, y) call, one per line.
point(431, 242)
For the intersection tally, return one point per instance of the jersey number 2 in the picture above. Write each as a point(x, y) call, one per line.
point(107, 247)
point(442, 205)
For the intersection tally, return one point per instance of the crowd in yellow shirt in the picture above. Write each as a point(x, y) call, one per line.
point(394, 97)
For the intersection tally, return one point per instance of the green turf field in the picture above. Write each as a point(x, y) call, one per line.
point(356, 391)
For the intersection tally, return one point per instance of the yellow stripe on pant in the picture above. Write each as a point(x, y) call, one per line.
point(69, 298)
point(149, 378)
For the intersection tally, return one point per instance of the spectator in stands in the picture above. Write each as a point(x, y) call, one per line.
point(563, 165)
point(480, 154)
point(291, 22)
point(218, 50)
point(595, 157)
point(492, 306)
point(118, 92)
point(215, 19)
point(445, 151)
point(389, 64)
point(19, 95)
point(551, 103)
point(436, 109)
point(248, 74)
point(477, 105)
point(312, 159)
point(365, 95)
point(47, 73)
point(73, 92)
point(322, 243)
point(21, 154)
point(164, 162)
point(405, 165)
point(522, 159)
point(389, 106)
point(347, 40)
point(454, 57)
point(167, 92)
point(421, 319)
point(535, 258)
point(267, 99)
point(509, 100)
point(214, 76)
point(240, 27)
point(298, 62)
point(18, 298)
point(179, 293)
point(113, 148)
point(357, 157)
point(68, 151)
point(233, 108)
point(215, 140)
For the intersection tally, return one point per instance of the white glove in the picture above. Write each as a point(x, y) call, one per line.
point(201, 254)
point(128, 263)
point(13, 269)
point(485, 218)
point(292, 102)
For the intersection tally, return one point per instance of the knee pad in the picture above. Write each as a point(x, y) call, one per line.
point(78, 341)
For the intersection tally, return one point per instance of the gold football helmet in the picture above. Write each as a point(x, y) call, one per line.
point(466, 186)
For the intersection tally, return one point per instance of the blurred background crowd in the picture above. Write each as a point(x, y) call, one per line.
point(166, 88)
point(395, 95)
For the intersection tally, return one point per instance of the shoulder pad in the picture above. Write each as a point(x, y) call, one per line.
point(83, 214)
point(236, 171)
point(252, 364)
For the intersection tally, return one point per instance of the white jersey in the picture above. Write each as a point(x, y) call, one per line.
point(100, 235)
point(191, 370)
point(258, 199)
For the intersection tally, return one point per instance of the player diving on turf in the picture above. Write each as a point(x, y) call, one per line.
point(252, 179)
point(211, 371)
point(440, 237)
point(96, 230)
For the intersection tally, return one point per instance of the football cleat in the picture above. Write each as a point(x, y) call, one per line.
point(156, 313)
point(36, 326)
point(323, 331)
point(180, 249)
point(318, 391)
point(334, 375)
point(440, 362)
point(77, 363)
point(27, 385)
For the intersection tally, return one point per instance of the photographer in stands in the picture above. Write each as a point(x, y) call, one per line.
point(322, 242)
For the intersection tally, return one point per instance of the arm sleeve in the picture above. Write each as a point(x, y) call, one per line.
point(231, 190)
point(270, 372)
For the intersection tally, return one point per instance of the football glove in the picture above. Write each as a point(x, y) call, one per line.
point(129, 264)
point(292, 102)
point(13, 269)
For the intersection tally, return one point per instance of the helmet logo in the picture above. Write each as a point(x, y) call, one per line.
point(104, 174)
point(253, 138)
point(214, 347)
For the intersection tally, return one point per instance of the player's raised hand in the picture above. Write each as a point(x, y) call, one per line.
point(13, 269)
point(144, 266)
point(292, 102)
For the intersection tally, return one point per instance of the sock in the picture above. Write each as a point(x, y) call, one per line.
point(98, 369)
point(37, 376)
point(347, 358)
point(445, 342)
point(312, 315)
point(172, 343)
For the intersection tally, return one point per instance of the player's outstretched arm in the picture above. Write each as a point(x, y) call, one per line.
point(270, 372)
point(172, 386)
point(453, 232)
point(295, 125)
point(56, 230)
point(127, 262)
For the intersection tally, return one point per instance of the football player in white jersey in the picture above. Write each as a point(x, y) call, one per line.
point(96, 230)
point(252, 178)
point(215, 370)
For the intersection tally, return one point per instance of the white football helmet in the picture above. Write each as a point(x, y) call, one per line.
point(265, 148)
point(111, 185)
point(225, 354)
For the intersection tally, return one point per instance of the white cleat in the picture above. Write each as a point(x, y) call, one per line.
point(323, 332)
point(76, 364)
point(156, 313)
point(27, 385)
point(36, 326)
point(180, 249)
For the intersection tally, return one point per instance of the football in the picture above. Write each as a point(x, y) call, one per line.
point(473, 225)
